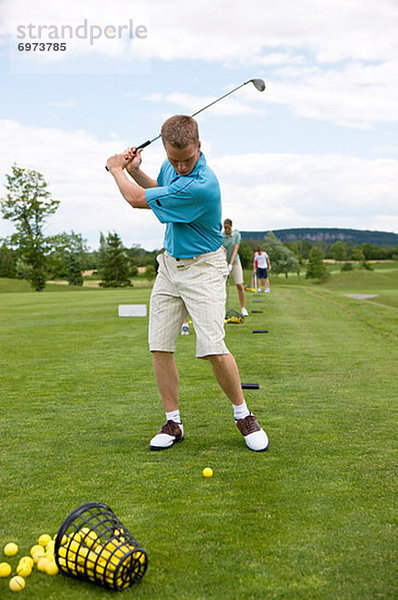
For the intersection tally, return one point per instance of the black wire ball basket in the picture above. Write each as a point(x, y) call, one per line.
point(92, 544)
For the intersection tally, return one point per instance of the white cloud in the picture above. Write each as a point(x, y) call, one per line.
point(340, 57)
point(221, 31)
point(357, 95)
point(275, 191)
point(73, 164)
point(260, 191)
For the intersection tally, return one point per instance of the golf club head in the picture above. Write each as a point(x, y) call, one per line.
point(258, 84)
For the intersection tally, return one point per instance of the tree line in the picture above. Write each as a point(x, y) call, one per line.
point(29, 254)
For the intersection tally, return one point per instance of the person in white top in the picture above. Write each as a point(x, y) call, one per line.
point(263, 266)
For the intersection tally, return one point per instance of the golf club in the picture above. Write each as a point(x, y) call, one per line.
point(258, 84)
point(228, 278)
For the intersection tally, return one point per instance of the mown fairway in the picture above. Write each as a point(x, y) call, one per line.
point(313, 518)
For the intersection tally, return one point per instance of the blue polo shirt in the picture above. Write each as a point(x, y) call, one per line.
point(191, 208)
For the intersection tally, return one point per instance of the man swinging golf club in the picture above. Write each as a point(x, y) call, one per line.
point(192, 271)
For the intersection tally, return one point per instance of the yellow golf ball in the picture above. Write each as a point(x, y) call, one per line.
point(51, 568)
point(36, 548)
point(63, 540)
point(140, 556)
point(44, 539)
point(17, 583)
point(89, 537)
point(42, 563)
point(28, 560)
point(10, 549)
point(5, 569)
point(39, 554)
point(207, 472)
point(24, 569)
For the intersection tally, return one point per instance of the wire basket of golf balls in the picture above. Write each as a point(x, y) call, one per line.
point(92, 544)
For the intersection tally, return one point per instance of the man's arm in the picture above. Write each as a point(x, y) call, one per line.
point(133, 168)
point(141, 178)
point(133, 194)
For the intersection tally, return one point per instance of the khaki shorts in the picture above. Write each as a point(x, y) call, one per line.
point(194, 286)
point(237, 272)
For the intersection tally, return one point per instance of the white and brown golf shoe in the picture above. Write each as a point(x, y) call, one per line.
point(256, 439)
point(169, 434)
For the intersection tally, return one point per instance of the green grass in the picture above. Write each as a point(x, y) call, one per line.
point(313, 518)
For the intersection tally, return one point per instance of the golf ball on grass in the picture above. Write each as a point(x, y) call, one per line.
point(5, 569)
point(27, 559)
point(42, 564)
point(10, 549)
point(24, 569)
point(36, 549)
point(17, 583)
point(207, 472)
point(38, 555)
point(44, 539)
point(51, 567)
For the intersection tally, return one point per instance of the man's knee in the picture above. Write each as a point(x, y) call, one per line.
point(216, 359)
point(159, 357)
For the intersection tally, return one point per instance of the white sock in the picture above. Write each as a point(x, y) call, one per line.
point(241, 411)
point(174, 415)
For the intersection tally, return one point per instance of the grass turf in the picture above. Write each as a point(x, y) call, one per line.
point(313, 518)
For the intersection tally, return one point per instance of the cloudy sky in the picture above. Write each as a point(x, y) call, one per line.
point(319, 148)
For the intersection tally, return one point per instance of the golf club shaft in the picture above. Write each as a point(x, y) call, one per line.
point(258, 84)
point(218, 99)
point(229, 275)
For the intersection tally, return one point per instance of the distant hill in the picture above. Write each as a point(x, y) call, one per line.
point(328, 236)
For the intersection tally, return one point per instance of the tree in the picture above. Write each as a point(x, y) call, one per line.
point(150, 272)
point(66, 245)
point(28, 204)
point(338, 251)
point(282, 259)
point(316, 268)
point(295, 248)
point(115, 266)
point(8, 261)
point(246, 252)
point(358, 255)
point(140, 257)
point(304, 247)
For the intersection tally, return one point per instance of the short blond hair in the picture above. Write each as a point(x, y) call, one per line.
point(180, 131)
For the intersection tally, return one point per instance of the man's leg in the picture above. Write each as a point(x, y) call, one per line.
point(227, 374)
point(204, 297)
point(167, 312)
point(166, 375)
